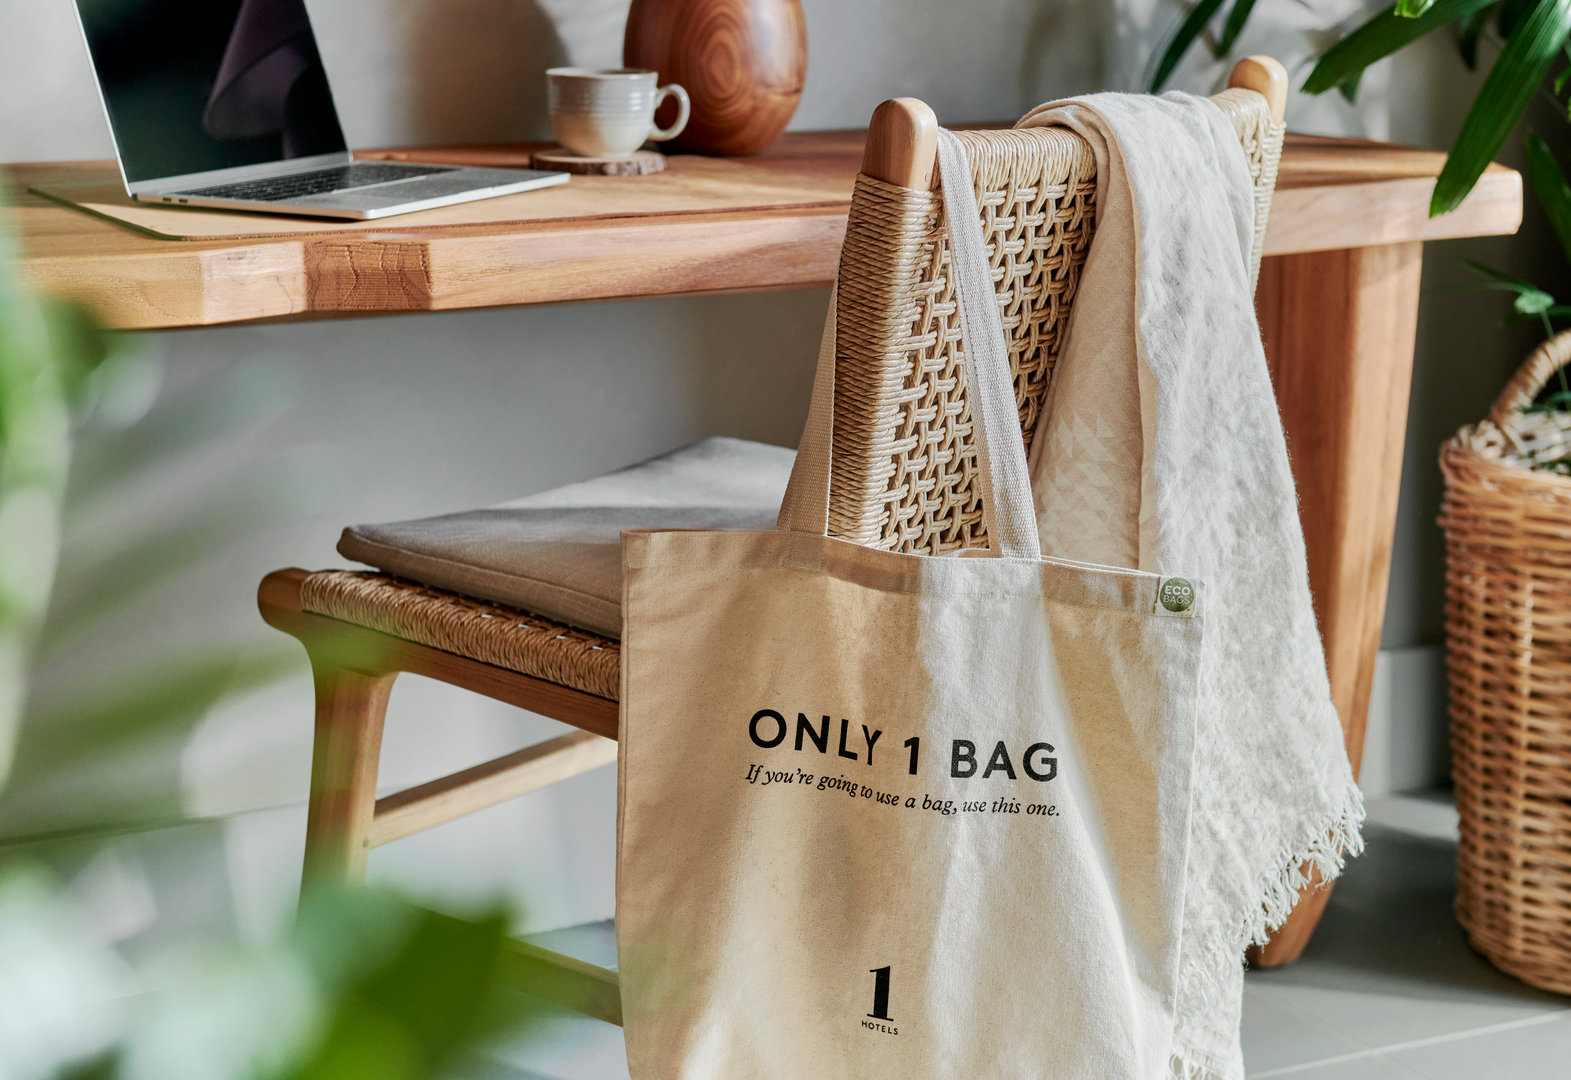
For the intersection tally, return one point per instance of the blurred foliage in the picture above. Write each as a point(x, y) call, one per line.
point(1196, 25)
point(1192, 27)
point(1532, 36)
point(1530, 302)
point(365, 986)
point(160, 485)
point(46, 353)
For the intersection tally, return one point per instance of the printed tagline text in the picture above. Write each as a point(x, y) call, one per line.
point(840, 785)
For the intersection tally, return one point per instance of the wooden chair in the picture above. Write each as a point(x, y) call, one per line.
point(903, 480)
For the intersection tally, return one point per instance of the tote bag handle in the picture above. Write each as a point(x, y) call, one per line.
point(1007, 508)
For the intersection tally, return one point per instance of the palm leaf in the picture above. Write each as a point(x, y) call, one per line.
point(1501, 101)
point(1190, 29)
point(1468, 32)
point(1412, 9)
point(1380, 37)
point(1531, 301)
point(1236, 18)
point(1510, 16)
point(1499, 275)
point(1549, 183)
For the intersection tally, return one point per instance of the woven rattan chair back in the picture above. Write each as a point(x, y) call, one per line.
point(904, 464)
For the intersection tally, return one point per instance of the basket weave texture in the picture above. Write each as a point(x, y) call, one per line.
point(478, 629)
point(1508, 643)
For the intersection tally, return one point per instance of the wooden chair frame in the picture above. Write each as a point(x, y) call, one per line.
point(354, 667)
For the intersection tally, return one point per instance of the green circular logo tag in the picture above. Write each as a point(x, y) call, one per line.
point(1177, 594)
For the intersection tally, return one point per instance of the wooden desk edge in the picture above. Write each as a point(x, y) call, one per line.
point(390, 273)
point(201, 283)
point(1334, 217)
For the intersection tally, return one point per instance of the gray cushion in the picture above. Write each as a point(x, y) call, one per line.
point(559, 553)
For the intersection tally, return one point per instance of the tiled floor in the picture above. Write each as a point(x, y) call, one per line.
point(1387, 989)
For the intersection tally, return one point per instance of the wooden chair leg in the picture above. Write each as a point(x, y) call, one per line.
point(350, 708)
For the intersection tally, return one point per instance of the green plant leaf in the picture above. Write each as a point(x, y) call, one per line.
point(425, 999)
point(1185, 36)
point(1519, 284)
point(44, 350)
point(1501, 101)
point(1380, 37)
point(79, 341)
point(1236, 18)
point(1412, 9)
point(1510, 16)
point(1468, 32)
point(1349, 86)
point(1533, 302)
point(1529, 303)
point(1549, 184)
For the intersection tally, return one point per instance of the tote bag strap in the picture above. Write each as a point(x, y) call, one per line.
point(1007, 508)
point(805, 508)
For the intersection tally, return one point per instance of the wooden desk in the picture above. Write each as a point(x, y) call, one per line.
point(610, 237)
point(1338, 303)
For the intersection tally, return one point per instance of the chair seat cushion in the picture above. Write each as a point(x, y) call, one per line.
point(559, 553)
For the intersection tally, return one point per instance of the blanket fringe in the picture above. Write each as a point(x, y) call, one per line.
point(1322, 851)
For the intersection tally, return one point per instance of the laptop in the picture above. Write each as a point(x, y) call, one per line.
point(225, 104)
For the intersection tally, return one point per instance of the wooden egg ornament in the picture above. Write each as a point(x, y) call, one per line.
point(743, 62)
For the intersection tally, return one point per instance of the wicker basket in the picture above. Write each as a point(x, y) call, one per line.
point(1508, 641)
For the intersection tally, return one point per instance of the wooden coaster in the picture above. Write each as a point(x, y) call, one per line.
point(639, 163)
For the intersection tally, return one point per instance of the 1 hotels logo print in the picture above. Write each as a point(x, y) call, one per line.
point(880, 1002)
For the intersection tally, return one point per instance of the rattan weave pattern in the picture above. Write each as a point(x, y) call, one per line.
point(904, 463)
point(480, 630)
point(1508, 644)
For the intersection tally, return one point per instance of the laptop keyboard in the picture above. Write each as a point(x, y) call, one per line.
point(317, 182)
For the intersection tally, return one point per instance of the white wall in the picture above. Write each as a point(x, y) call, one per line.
point(425, 413)
point(442, 71)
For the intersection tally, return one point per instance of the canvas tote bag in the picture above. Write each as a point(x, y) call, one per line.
point(887, 815)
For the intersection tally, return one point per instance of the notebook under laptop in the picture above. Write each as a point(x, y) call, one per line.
point(225, 103)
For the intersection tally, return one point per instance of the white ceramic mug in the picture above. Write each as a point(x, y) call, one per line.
point(609, 112)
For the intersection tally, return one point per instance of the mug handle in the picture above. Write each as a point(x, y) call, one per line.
point(684, 110)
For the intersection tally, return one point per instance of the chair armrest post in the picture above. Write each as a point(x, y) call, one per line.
point(902, 145)
point(1265, 76)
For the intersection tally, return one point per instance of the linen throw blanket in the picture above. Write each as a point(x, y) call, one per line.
point(1163, 451)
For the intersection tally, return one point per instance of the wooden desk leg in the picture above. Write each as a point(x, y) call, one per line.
point(1339, 328)
point(350, 707)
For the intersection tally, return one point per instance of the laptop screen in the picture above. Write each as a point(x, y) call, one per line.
point(197, 85)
